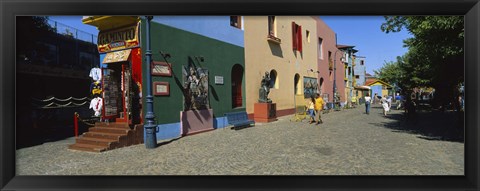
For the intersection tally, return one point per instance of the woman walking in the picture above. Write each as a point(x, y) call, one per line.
point(368, 101)
point(311, 109)
point(384, 103)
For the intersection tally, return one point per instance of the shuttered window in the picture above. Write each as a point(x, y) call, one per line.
point(296, 37)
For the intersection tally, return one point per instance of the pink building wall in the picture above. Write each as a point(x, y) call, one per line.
point(328, 44)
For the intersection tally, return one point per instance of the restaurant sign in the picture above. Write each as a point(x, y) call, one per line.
point(118, 39)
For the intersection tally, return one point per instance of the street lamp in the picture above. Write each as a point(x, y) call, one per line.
point(150, 127)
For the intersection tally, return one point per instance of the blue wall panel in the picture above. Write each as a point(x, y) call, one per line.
point(167, 131)
point(172, 130)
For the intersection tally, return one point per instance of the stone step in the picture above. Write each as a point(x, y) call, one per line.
point(96, 141)
point(114, 124)
point(87, 147)
point(109, 130)
point(103, 135)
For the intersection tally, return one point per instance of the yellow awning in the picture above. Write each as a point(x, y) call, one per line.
point(104, 23)
point(117, 56)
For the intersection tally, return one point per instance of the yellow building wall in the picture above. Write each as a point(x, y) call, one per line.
point(384, 92)
point(263, 56)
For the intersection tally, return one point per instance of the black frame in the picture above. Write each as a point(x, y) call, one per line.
point(10, 9)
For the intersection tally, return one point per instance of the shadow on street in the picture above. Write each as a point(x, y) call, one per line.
point(428, 124)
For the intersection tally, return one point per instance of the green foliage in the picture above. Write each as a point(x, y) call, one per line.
point(390, 72)
point(435, 55)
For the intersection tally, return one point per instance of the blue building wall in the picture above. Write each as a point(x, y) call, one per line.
point(360, 71)
point(377, 89)
point(216, 27)
point(173, 130)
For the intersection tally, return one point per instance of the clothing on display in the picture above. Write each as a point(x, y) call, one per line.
point(96, 104)
point(96, 74)
point(96, 88)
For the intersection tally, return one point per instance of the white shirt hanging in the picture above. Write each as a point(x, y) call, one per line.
point(96, 104)
point(96, 74)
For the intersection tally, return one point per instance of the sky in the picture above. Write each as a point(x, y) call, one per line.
point(363, 32)
point(75, 22)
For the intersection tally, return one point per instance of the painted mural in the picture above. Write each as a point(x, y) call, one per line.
point(195, 80)
point(310, 87)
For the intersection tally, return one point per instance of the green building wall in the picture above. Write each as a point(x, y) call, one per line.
point(184, 46)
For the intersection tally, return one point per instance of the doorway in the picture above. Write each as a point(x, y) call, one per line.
point(119, 94)
point(321, 86)
point(296, 81)
point(237, 80)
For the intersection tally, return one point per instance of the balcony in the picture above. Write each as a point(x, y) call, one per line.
point(274, 39)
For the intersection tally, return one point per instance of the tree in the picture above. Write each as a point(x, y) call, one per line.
point(435, 55)
point(390, 72)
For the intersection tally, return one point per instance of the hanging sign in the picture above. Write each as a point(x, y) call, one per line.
point(117, 56)
point(218, 79)
point(118, 39)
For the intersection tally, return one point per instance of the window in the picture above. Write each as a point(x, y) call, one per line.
point(330, 61)
point(361, 62)
point(357, 77)
point(271, 37)
point(320, 49)
point(296, 37)
point(273, 79)
point(271, 26)
point(308, 35)
point(236, 21)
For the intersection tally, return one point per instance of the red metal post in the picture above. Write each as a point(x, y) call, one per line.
point(75, 123)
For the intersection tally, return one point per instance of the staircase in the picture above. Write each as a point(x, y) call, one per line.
point(104, 137)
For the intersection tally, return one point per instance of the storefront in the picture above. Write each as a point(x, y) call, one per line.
point(196, 79)
point(121, 70)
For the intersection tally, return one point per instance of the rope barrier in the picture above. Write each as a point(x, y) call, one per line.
point(61, 100)
point(49, 99)
point(68, 99)
point(80, 103)
point(84, 121)
point(54, 105)
point(79, 99)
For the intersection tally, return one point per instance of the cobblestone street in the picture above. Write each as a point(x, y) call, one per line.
point(349, 142)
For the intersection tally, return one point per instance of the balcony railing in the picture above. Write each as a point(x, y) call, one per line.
point(273, 38)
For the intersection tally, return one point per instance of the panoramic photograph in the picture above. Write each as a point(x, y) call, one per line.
point(240, 95)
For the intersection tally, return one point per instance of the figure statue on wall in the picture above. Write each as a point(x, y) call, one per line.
point(265, 89)
point(196, 88)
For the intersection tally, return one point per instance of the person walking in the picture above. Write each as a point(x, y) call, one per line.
point(389, 101)
point(311, 109)
point(398, 101)
point(384, 103)
point(318, 108)
point(368, 101)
